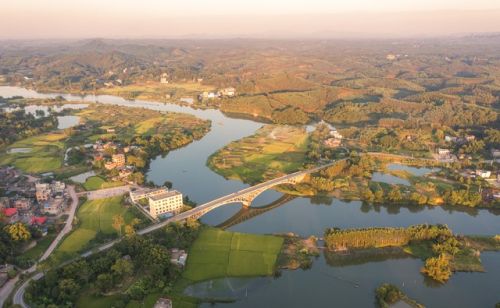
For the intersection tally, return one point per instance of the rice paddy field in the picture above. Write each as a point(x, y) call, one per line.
point(217, 253)
point(271, 152)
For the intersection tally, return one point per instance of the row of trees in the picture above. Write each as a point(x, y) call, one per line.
point(337, 239)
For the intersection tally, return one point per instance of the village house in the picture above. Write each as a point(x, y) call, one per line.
point(495, 153)
point(166, 203)
point(53, 207)
point(10, 215)
point(444, 154)
point(38, 220)
point(163, 303)
point(58, 187)
point(178, 257)
point(22, 205)
point(42, 192)
point(483, 173)
point(332, 142)
point(229, 92)
point(4, 203)
point(164, 78)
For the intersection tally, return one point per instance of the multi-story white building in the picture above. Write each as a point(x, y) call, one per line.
point(145, 193)
point(168, 202)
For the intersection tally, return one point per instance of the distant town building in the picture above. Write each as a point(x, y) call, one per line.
point(163, 303)
point(332, 142)
point(495, 153)
point(228, 92)
point(391, 57)
point(169, 202)
point(145, 193)
point(483, 173)
point(164, 78)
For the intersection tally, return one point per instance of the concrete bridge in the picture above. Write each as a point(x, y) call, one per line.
point(244, 196)
point(247, 213)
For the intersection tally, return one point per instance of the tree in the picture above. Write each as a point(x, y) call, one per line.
point(123, 267)
point(118, 222)
point(18, 232)
point(395, 194)
point(438, 268)
point(104, 282)
point(68, 289)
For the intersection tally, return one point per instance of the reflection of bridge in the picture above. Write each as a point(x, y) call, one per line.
point(247, 212)
point(245, 196)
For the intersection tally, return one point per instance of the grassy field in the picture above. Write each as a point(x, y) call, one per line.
point(218, 253)
point(272, 151)
point(46, 153)
point(95, 216)
point(96, 182)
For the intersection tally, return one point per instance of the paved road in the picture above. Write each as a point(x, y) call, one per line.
point(108, 192)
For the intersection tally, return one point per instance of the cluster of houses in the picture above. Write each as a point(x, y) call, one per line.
point(161, 202)
point(334, 139)
point(27, 200)
point(114, 161)
point(226, 92)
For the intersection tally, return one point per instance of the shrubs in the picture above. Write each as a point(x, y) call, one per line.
point(438, 268)
point(387, 294)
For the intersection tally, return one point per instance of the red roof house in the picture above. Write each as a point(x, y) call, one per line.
point(38, 220)
point(9, 212)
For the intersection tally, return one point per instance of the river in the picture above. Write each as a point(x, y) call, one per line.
point(186, 169)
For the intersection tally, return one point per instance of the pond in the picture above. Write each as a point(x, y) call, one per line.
point(417, 171)
point(389, 179)
point(323, 285)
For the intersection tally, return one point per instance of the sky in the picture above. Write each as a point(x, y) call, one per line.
point(33, 19)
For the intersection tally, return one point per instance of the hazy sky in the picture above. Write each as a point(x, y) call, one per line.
point(258, 18)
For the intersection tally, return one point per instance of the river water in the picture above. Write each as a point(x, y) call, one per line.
point(324, 285)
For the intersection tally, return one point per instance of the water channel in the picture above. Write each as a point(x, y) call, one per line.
point(324, 285)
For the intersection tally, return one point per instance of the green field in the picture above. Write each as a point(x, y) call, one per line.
point(94, 216)
point(41, 246)
point(46, 153)
point(96, 182)
point(271, 152)
point(218, 253)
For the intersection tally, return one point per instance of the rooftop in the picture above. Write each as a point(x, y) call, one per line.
point(165, 195)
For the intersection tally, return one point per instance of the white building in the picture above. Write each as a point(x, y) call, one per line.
point(145, 193)
point(168, 202)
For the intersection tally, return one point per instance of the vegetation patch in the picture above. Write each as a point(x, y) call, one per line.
point(388, 295)
point(271, 152)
